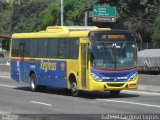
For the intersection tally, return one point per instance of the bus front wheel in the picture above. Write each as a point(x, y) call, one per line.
point(74, 90)
point(33, 83)
point(115, 93)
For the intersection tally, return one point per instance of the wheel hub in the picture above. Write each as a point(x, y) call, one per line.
point(74, 87)
point(32, 85)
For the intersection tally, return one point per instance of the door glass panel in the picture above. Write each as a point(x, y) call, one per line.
point(83, 64)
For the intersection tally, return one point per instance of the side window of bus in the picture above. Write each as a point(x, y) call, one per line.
point(42, 48)
point(15, 48)
point(33, 48)
point(26, 51)
point(62, 48)
point(25, 47)
point(73, 48)
point(52, 48)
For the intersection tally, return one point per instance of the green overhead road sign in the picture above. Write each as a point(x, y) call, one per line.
point(104, 11)
point(104, 14)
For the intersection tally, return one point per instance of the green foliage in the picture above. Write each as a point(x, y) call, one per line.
point(26, 17)
point(156, 31)
point(5, 18)
point(136, 15)
point(35, 15)
point(74, 11)
point(50, 16)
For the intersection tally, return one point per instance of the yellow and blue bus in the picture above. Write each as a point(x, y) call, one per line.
point(76, 58)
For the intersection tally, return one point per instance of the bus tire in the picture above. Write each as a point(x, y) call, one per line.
point(74, 90)
point(33, 84)
point(114, 93)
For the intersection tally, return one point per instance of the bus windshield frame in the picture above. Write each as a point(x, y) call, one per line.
point(115, 53)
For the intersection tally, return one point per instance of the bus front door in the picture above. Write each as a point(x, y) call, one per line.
point(84, 65)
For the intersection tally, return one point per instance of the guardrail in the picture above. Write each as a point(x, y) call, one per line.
point(142, 46)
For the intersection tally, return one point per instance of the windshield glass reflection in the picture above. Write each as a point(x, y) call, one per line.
point(113, 56)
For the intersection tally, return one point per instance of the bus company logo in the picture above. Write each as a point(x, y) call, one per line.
point(62, 66)
point(48, 66)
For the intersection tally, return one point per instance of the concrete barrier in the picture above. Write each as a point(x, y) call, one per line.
point(149, 88)
point(149, 82)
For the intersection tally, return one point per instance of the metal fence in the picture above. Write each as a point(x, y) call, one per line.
point(142, 46)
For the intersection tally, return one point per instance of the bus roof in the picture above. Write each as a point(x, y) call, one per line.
point(70, 28)
point(60, 31)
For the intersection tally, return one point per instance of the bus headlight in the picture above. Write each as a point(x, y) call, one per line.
point(96, 78)
point(133, 77)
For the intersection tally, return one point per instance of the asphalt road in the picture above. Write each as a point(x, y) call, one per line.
point(16, 98)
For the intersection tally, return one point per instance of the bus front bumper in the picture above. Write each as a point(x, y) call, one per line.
point(107, 86)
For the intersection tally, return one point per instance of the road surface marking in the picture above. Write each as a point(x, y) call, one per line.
point(4, 76)
point(36, 102)
point(10, 86)
point(133, 103)
point(2, 64)
point(142, 92)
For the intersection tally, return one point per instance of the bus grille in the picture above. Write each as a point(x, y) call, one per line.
point(115, 85)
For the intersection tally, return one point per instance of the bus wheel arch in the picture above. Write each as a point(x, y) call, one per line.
point(31, 72)
point(33, 82)
point(73, 85)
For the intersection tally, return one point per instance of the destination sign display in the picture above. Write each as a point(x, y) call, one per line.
point(113, 36)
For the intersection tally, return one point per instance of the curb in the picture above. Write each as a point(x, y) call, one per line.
point(5, 73)
point(149, 88)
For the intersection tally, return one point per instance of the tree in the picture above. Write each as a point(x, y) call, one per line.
point(136, 15)
point(73, 12)
point(5, 17)
point(13, 2)
point(156, 31)
point(34, 15)
point(27, 16)
point(50, 16)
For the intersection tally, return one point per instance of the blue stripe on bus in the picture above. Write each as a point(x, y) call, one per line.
point(48, 72)
point(122, 76)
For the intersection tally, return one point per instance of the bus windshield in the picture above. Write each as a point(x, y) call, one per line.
point(113, 55)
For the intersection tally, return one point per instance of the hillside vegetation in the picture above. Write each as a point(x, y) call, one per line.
point(140, 16)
